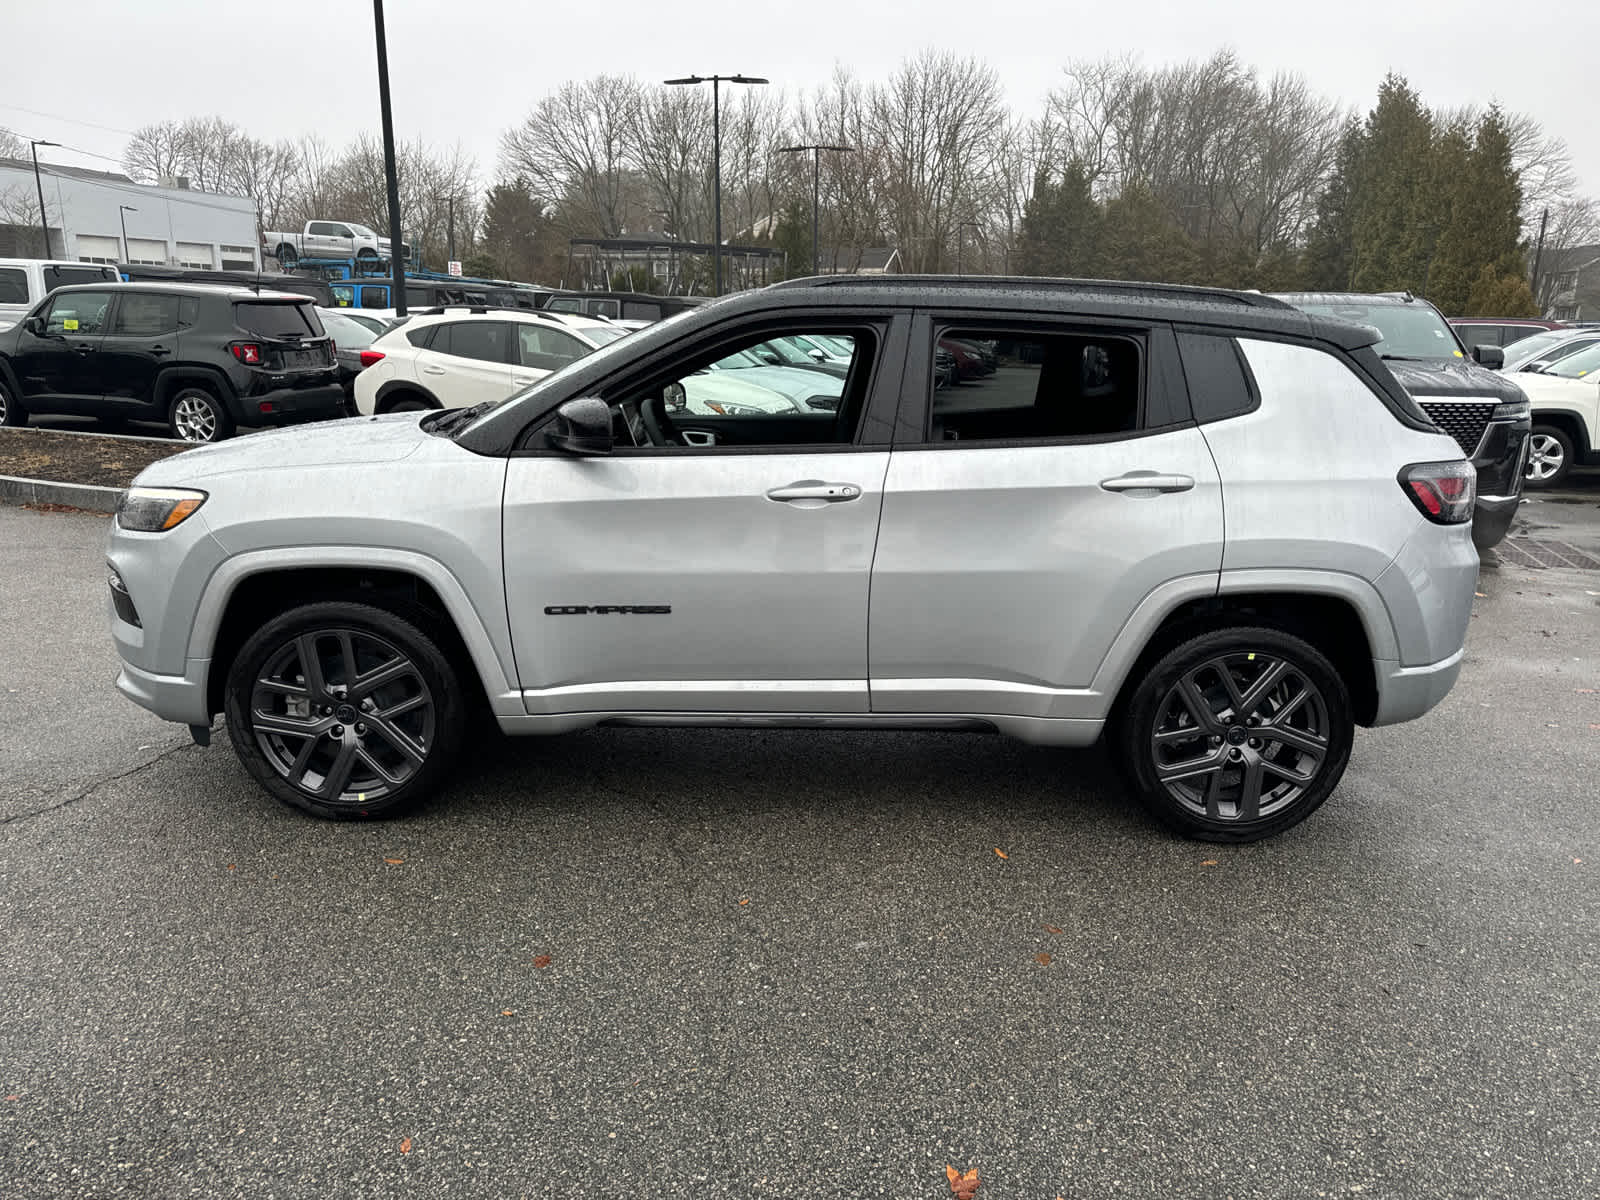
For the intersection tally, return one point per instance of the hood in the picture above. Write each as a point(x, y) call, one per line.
point(1450, 377)
point(359, 440)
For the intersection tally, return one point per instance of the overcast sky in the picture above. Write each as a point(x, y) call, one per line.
point(465, 70)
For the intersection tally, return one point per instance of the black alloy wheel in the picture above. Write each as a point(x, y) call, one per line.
point(344, 710)
point(1237, 735)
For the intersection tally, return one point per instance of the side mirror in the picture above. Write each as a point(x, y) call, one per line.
point(674, 397)
point(1489, 356)
point(34, 325)
point(1538, 366)
point(817, 354)
point(582, 426)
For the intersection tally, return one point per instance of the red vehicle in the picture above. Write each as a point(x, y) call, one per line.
point(1498, 331)
point(969, 359)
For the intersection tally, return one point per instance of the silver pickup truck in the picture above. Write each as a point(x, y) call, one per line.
point(327, 239)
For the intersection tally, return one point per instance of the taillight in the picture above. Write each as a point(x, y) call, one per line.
point(247, 352)
point(1444, 492)
point(368, 357)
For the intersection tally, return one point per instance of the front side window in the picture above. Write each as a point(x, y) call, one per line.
point(1577, 366)
point(731, 398)
point(343, 295)
point(145, 315)
point(78, 314)
point(374, 297)
point(321, 229)
point(1000, 385)
point(482, 340)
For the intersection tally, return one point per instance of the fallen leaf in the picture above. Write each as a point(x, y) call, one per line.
point(1042, 959)
point(743, 902)
point(1584, 691)
point(541, 961)
point(1052, 929)
point(1481, 595)
point(394, 862)
point(963, 1184)
point(1208, 862)
point(13, 1097)
point(1001, 852)
point(405, 1145)
point(1576, 860)
point(230, 867)
point(508, 1012)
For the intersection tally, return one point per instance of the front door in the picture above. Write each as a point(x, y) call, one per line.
point(712, 563)
point(1029, 513)
point(58, 369)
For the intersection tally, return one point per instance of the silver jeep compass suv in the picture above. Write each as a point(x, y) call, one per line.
point(1201, 524)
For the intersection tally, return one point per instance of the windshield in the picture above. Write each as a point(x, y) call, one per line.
point(1576, 366)
point(1409, 330)
point(348, 334)
point(603, 335)
point(1525, 350)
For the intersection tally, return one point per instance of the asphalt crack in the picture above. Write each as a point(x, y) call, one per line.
point(94, 787)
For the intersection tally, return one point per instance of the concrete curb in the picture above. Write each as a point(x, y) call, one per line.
point(98, 433)
point(14, 489)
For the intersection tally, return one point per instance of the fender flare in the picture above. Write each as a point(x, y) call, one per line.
point(505, 696)
point(391, 386)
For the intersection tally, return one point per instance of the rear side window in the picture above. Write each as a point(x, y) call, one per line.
point(13, 286)
point(637, 310)
point(1220, 383)
point(277, 320)
point(421, 338)
point(145, 315)
point(374, 297)
point(1008, 385)
point(482, 340)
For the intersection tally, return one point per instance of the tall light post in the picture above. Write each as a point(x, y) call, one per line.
point(815, 150)
point(125, 208)
point(397, 264)
point(44, 224)
point(716, 81)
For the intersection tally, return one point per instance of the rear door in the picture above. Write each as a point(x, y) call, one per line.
point(141, 339)
point(1027, 514)
point(468, 362)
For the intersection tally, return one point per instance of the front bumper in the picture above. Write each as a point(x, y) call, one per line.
point(171, 697)
point(1491, 519)
point(1500, 461)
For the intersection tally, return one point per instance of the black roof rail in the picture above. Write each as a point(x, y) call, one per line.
point(439, 310)
point(1048, 283)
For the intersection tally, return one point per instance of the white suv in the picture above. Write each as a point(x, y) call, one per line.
point(1212, 529)
point(456, 357)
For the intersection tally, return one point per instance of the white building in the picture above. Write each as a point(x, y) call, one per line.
point(88, 210)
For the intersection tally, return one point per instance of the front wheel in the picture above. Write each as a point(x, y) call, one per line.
point(344, 710)
point(1237, 735)
point(1549, 457)
point(11, 411)
point(288, 256)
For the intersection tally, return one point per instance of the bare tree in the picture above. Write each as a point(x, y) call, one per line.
point(575, 143)
point(670, 145)
point(154, 153)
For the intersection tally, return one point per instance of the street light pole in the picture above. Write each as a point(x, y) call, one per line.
point(125, 208)
point(716, 82)
point(44, 224)
point(963, 225)
point(816, 192)
point(397, 266)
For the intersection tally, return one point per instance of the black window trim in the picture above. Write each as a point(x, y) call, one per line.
point(887, 327)
point(917, 394)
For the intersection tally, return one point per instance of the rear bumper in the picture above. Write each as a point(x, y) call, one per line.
point(1405, 693)
point(293, 404)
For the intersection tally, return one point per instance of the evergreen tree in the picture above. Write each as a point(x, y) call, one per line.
point(1329, 249)
point(517, 235)
point(1393, 224)
point(1062, 227)
point(1141, 242)
point(1497, 295)
point(792, 235)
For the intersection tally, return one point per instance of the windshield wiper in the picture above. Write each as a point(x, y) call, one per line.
point(460, 417)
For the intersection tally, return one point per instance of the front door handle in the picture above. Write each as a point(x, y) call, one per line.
point(158, 351)
point(1148, 481)
point(84, 348)
point(814, 489)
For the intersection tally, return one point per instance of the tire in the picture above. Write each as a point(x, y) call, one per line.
point(287, 256)
point(367, 254)
point(1184, 716)
point(196, 415)
point(396, 740)
point(1550, 454)
point(11, 411)
point(409, 406)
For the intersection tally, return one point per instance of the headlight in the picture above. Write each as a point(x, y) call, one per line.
point(154, 510)
point(1510, 408)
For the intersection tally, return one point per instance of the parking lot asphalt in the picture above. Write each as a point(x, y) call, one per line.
point(794, 964)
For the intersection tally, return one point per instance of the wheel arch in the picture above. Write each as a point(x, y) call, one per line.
point(249, 589)
point(170, 378)
point(1570, 423)
point(392, 391)
point(1342, 616)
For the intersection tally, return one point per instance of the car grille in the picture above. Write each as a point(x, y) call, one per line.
point(1464, 420)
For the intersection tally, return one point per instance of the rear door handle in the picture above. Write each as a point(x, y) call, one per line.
point(812, 489)
point(1148, 481)
point(433, 370)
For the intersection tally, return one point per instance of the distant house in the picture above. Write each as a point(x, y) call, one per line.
point(860, 260)
point(1573, 290)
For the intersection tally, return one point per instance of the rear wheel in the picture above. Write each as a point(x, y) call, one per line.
point(287, 256)
point(409, 406)
point(1549, 457)
point(344, 710)
point(11, 410)
point(1237, 735)
point(196, 415)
